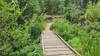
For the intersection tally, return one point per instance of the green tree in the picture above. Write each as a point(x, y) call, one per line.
point(17, 17)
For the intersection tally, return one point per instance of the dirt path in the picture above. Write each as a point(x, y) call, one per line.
point(47, 28)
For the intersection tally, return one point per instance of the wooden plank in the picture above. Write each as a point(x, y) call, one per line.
point(69, 46)
point(53, 46)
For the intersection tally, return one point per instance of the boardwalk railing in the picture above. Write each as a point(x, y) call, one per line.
point(68, 45)
point(57, 46)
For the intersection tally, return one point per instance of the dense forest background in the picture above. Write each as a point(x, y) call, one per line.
point(22, 21)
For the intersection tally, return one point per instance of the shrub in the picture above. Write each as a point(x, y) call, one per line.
point(16, 39)
point(64, 28)
point(73, 13)
point(92, 12)
point(85, 42)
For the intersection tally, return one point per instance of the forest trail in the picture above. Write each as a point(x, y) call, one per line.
point(52, 45)
point(47, 28)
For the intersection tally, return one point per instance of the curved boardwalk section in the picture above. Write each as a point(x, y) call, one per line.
point(53, 46)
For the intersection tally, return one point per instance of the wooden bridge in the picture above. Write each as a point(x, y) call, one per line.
point(53, 45)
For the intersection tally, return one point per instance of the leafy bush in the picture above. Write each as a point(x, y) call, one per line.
point(73, 13)
point(76, 43)
point(38, 26)
point(92, 12)
point(85, 42)
point(64, 28)
point(16, 39)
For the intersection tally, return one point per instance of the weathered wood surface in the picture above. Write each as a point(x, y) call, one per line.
point(53, 45)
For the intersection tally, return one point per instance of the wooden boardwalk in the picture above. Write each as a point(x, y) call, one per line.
point(53, 46)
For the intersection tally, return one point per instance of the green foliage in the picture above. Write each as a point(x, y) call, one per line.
point(16, 39)
point(76, 43)
point(54, 6)
point(64, 28)
point(82, 27)
point(86, 43)
point(38, 26)
point(73, 13)
point(92, 12)
point(21, 25)
point(33, 49)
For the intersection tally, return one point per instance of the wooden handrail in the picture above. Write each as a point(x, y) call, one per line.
point(68, 45)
